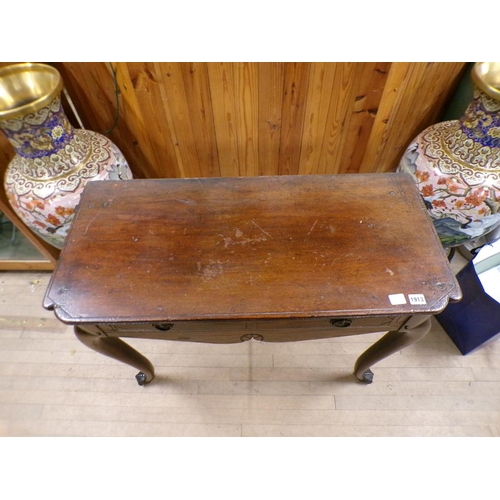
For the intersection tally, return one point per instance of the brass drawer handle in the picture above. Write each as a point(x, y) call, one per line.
point(164, 326)
point(341, 323)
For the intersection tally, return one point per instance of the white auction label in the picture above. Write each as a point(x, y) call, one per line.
point(416, 299)
point(397, 299)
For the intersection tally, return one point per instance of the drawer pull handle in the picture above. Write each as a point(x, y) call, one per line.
point(164, 326)
point(341, 323)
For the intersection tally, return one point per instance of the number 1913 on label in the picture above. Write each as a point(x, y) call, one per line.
point(417, 299)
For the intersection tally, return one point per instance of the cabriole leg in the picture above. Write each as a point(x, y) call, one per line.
point(415, 329)
point(117, 349)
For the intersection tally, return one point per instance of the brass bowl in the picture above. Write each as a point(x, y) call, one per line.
point(27, 88)
point(486, 75)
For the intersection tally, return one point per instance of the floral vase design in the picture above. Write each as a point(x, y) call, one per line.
point(53, 161)
point(456, 165)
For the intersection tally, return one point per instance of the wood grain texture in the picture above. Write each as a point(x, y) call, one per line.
point(199, 100)
point(296, 82)
point(147, 122)
point(316, 114)
point(339, 115)
point(271, 78)
point(243, 119)
point(250, 248)
point(413, 97)
point(26, 265)
point(364, 111)
point(221, 78)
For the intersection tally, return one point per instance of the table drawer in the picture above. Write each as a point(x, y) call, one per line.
point(271, 330)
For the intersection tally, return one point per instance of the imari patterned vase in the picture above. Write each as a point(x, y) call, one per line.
point(456, 165)
point(53, 161)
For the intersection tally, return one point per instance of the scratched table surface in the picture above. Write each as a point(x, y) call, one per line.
point(259, 247)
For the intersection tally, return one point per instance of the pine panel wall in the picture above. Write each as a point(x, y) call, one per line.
point(239, 119)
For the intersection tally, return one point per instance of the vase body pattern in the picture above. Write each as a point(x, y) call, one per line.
point(456, 166)
point(52, 165)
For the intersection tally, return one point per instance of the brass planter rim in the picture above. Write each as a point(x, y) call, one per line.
point(486, 76)
point(49, 94)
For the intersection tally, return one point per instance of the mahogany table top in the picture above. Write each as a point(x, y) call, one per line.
point(258, 247)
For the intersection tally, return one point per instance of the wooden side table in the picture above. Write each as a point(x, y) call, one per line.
point(225, 260)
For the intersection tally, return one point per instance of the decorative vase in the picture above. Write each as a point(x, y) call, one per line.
point(456, 164)
point(53, 160)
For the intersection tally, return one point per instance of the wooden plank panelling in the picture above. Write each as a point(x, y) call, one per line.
point(342, 99)
point(171, 82)
point(221, 78)
point(413, 98)
point(145, 123)
point(188, 119)
point(199, 100)
point(296, 82)
point(271, 78)
point(364, 110)
point(247, 114)
point(320, 90)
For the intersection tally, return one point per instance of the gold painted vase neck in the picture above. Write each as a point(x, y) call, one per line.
point(486, 76)
point(31, 115)
point(26, 88)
